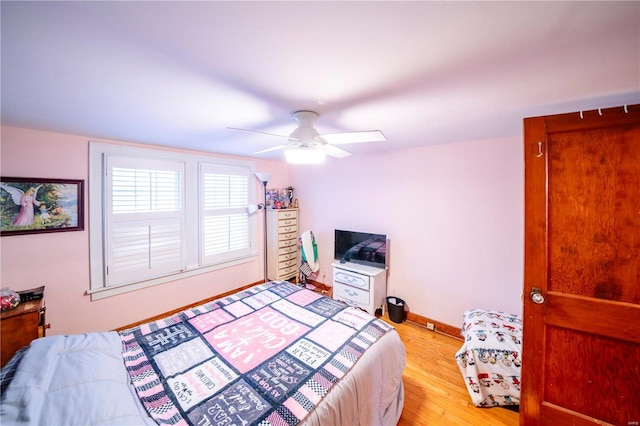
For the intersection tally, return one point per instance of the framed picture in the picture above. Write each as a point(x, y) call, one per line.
point(34, 205)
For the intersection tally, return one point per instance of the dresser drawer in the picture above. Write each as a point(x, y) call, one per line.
point(287, 214)
point(287, 272)
point(289, 236)
point(285, 256)
point(351, 295)
point(290, 245)
point(287, 263)
point(351, 279)
point(288, 250)
point(287, 228)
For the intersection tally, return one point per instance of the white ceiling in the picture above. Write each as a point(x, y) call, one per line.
point(179, 73)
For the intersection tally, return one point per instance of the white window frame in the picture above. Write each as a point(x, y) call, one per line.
point(193, 164)
point(228, 209)
point(145, 240)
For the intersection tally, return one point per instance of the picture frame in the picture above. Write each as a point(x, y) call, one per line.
point(39, 205)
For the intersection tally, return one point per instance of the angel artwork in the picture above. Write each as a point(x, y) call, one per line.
point(27, 200)
point(29, 205)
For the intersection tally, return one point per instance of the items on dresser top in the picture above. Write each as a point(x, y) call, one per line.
point(9, 299)
point(32, 294)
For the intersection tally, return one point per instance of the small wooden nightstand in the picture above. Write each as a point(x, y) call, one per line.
point(20, 326)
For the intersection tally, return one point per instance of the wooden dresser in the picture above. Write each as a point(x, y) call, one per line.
point(21, 325)
point(283, 252)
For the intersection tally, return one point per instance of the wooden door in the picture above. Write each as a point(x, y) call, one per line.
point(581, 344)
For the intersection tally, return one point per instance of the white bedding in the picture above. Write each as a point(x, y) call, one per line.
point(490, 357)
point(372, 394)
point(73, 380)
point(82, 380)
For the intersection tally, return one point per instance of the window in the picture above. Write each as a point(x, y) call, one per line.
point(145, 219)
point(158, 216)
point(225, 222)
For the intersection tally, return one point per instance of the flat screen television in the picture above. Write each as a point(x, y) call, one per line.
point(361, 247)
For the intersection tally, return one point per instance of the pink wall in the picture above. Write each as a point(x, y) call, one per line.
point(453, 213)
point(60, 261)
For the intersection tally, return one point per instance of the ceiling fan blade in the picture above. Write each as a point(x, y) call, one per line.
point(273, 148)
point(336, 152)
point(354, 137)
point(256, 131)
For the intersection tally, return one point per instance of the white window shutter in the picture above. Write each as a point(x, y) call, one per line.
point(145, 219)
point(224, 218)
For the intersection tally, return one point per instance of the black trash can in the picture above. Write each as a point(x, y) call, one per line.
point(395, 307)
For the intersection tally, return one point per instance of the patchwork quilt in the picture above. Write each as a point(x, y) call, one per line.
point(264, 356)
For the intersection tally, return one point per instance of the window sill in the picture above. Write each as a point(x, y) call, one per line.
point(104, 292)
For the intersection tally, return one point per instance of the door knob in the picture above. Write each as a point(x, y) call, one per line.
point(536, 296)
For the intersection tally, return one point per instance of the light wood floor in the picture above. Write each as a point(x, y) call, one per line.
point(435, 393)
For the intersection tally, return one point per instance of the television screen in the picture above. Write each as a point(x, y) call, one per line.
point(360, 247)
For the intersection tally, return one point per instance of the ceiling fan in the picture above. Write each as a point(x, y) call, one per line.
point(306, 146)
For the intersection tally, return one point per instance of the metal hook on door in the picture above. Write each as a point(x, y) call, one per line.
point(540, 152)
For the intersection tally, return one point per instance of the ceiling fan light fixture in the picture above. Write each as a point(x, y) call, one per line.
point(307, 146)
point(306, 134)
point(305, 154)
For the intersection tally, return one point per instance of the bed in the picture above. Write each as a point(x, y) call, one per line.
point(274, 354)
point(490, 357)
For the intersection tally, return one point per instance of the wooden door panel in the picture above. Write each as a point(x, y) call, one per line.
point(604, 366)
point(595, 249)
point(559, 416)
point(618, 320)
point(581, 347)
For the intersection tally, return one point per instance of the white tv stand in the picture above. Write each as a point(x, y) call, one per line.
point(359, 285)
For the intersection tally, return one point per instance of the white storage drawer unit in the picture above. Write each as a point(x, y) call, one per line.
point(362, 286)
point(352, 295)
point(283, 252)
